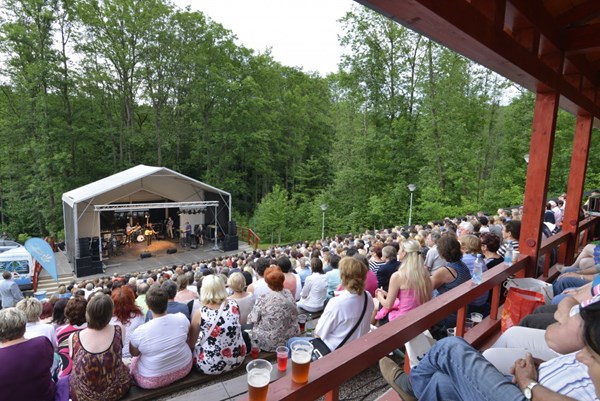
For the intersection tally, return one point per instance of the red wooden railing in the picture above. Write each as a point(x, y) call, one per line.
point(249, 236)
point(329, 373)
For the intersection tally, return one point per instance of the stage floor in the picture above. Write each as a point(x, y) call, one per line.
point(128, 259)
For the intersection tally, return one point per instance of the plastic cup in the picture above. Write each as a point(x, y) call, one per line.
point(302, 322)
point(451, 332)
point(301, 357)
point(515, 258)
point(468, 324)
point(259, 376)
point(282, 358)
point(254, 351)
point(476, 318)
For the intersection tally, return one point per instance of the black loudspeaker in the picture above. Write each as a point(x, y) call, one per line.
point(171, 250)
point(84, 247)
point(95, 247)
point(230, 243)
point(145, 255)
point(84, 262)
point(86, 267)
point(232, 229)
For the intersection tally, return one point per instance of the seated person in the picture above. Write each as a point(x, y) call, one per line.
point(391, 265)
point(35, 328)
point(409, 287)
point(587, 260)
point(173, 306)
point(244, 299)
point(216, 334)
point(314, 292)
point(26, 363)
point(98, 369)
point(452, 274)
point(452, 369)
point(159, 347)
point(75, 321)
point(274, 315)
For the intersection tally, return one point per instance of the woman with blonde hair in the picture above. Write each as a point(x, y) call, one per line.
point(409, 287)
point(244, 299)
point(216, 334)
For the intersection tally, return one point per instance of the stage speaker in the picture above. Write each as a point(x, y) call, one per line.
point(230, 243)
point(95, 247)
point(83, 262)
point(83, 266)
point(84, 247)
point(145, 255)
point(232, 229)
point(171, 250)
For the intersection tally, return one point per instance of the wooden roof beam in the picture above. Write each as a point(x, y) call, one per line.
point(451, 23)
point(582, 38)
point(579, 14)
point(543, 21)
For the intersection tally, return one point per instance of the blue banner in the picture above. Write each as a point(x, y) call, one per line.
point(42, 252)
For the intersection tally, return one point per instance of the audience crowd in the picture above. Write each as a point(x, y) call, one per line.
point(94, 338)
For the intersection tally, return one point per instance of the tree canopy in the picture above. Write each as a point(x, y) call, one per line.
point(93, 87)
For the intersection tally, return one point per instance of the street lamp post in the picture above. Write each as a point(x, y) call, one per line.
point(411, 188)
point(323, 208)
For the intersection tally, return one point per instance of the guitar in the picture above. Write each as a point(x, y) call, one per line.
point(133, 229)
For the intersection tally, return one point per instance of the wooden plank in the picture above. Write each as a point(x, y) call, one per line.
point(538, 175)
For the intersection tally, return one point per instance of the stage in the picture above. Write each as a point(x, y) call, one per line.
point(128, 259)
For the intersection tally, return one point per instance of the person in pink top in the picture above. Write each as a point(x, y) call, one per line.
point(409, 287)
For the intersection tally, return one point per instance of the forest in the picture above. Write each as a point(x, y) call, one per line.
point(89, 88)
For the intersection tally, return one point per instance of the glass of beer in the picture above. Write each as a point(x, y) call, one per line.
point(259, 376)
point(301, 356)
point(302, 322)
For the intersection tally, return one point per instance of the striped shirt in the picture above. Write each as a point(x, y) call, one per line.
point(567, 376)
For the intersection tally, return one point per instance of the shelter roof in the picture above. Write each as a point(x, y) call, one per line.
point(543, 45)
point(141, 184)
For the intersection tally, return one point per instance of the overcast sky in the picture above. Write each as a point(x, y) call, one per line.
point(300, 33)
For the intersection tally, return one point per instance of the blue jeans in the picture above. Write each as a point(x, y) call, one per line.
point(453, 370)
point(562, 284)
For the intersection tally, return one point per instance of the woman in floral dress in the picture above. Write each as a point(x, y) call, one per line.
point(224, 348)
point(274, 315)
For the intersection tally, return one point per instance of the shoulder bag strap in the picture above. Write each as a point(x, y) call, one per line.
point(357, 323)
point(205, 338)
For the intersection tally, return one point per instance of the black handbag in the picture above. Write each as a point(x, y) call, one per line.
point(320, 349)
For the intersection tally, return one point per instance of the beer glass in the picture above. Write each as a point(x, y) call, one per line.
point(301, 356)
point(259, 376)
point(302, 322)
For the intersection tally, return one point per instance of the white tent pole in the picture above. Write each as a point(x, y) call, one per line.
point(216, 247)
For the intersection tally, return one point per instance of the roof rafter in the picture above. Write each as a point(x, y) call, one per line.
point(579, 14)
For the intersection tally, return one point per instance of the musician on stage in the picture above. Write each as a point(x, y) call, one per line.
point(170, 227)
point(128, 233)
point(188, 233)
point(149, 233)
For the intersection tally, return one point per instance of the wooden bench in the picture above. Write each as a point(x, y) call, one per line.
point(192, 380)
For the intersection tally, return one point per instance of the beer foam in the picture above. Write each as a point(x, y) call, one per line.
point(301, 357)
point(258, 378)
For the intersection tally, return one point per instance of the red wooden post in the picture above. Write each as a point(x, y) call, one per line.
point(333, 394)
point(538, 173)
point(579, 159)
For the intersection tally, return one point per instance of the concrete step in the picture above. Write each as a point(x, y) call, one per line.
point(50, 286)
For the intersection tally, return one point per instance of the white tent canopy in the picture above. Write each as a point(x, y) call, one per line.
point(138, 184)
